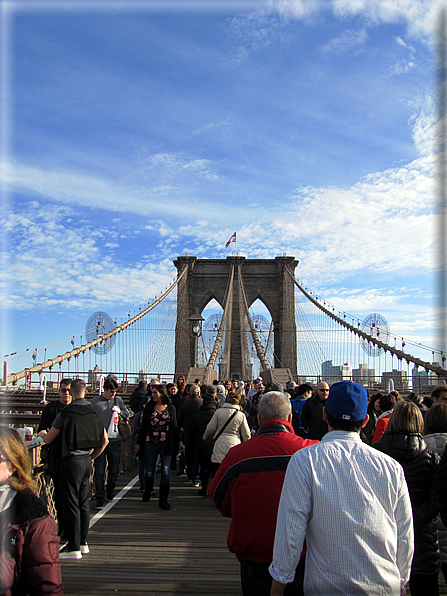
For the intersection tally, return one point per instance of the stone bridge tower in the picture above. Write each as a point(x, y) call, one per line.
point(265, 279)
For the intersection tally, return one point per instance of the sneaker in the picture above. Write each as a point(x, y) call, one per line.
point(195, 484)
point(99, 505)
point(63, 544)
point(84, 549)
point(110, 496)
point(70, 554)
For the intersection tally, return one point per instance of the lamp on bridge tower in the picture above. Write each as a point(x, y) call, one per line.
point(196, 321)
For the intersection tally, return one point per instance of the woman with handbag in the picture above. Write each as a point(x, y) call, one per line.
point(158, 434)
point(227, 427)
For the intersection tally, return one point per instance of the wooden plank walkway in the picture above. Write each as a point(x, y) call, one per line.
point(136, 548)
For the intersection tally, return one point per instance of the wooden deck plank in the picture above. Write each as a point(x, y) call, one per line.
point(137, 548)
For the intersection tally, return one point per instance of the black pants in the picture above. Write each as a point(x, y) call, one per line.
point(424, 584)
point(74, 483)
point(257, 581)
point(205, 468)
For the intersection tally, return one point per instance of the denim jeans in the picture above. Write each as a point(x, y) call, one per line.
point(152, 451)
point(142, 470)
point(111, 454)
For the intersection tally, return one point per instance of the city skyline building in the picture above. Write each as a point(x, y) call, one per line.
point(331, 373)
point(364, 375)
point(399, 378)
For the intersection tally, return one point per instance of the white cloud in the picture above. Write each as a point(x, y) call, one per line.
point(51, 263)
point(349, 42)
point(422, 17)
point(171, 164)
point(92, 191)
point(213, 128)
point(382, 224)
point(298, 9)
point(250, 33)
point(403, 67)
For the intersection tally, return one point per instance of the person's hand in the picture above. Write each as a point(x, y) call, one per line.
point(136, 448)
point(277, 589)
point(42, 433)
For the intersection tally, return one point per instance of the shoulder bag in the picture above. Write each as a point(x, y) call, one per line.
point(208, 452)
point(123, 427)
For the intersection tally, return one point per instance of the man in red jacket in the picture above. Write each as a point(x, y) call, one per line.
point(247, 488)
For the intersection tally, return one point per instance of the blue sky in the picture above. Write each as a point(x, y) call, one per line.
point(137, 132)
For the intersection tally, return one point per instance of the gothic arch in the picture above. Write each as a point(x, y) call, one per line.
point(264, 279)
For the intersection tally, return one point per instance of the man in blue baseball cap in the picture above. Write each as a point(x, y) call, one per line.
point(352, 507)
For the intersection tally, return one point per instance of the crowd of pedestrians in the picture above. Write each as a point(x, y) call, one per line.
point(383, 452)
point(330, 491)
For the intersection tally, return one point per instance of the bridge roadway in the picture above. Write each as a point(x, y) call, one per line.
point(136, 548)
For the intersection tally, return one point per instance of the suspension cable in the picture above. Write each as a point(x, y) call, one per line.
point(259, 351)
point(27, 372)
point(228, 299)
point(401, 355)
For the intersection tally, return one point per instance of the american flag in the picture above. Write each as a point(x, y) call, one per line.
point(232, 239)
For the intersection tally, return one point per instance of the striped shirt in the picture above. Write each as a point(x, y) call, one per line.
point(351, 503)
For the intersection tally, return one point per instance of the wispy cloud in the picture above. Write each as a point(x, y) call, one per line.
point(349, 41)
point(406, 64)
point(383, 223)
point(75, 187)
point(173, 164)
point(250, 33)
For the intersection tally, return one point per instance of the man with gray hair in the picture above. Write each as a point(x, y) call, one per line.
point(247, 488)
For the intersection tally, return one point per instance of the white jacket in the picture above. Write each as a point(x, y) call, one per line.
point(236, 430)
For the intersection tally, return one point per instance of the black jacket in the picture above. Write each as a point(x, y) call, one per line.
point(312, 418)
point(49, 413)
point(187, 411)
point(420, 465)
point(200, 421)
point(441, 486)
point(136, 398)
point(51, 410)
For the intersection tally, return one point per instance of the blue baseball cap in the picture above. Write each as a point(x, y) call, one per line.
point(347, 400)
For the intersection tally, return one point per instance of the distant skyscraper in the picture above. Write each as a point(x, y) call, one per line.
point(333, 374)
point(326, 368)
point(364, 375)
point(399, 378)
point(422, 378)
